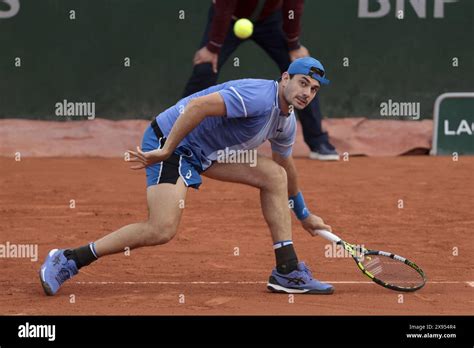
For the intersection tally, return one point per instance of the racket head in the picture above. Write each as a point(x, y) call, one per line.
point(387, 269)
point(391, 271)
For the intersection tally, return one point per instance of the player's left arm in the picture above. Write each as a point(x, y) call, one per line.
point(309, 221)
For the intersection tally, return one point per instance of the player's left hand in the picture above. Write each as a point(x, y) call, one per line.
point(299, 53)
point(312, 223)
point(147, 158)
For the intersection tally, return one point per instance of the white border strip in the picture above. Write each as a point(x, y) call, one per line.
point(179, 171)
point(241, 100)
point(470, 283)
point(434, 143)
point(161, 163)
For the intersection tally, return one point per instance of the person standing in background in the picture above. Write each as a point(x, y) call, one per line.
point(277, 27)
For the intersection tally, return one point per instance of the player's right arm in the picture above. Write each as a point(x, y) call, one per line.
point(194, 113)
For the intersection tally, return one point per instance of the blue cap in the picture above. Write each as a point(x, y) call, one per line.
point(310, 67)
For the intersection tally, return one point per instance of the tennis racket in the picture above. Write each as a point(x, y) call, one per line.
point(385, 269)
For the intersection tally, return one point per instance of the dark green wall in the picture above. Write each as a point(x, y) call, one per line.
point(406, 60)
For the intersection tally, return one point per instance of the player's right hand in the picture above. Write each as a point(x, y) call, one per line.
point(148, 158)
point(313, 223)
point(203, 55)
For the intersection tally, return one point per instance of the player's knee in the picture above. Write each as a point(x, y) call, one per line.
point(275, 178)
point(160, 233)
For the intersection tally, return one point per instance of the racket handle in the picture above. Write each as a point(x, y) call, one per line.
point(328, 235)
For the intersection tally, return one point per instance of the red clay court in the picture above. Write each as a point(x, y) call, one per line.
point(359, 198)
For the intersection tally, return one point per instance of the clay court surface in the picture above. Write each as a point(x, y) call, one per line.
point(358, 198)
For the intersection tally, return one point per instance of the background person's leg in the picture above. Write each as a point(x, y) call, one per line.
point(202, 76)
point(269, 35)
point(311, 121)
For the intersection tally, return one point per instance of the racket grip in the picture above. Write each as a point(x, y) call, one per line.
point(328, 235)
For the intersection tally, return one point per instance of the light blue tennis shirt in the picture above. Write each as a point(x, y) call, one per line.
point(253, 116)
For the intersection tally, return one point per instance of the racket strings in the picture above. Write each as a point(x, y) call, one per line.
point(392, 271)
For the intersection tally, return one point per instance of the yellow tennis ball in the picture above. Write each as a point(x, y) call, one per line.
point(243, 28)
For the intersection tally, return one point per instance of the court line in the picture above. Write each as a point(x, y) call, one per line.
point(470, 283)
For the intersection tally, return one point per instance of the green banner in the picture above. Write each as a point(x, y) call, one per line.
point(454, 124)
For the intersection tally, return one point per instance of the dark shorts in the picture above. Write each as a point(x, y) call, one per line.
point(182, 163)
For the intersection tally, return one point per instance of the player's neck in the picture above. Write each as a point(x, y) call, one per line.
point(283, 105)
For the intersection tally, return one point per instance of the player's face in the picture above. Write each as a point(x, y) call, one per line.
point(300, 90)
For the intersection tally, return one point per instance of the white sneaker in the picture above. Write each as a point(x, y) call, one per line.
point(325, 153)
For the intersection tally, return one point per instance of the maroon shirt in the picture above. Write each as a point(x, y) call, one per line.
point(226, 10)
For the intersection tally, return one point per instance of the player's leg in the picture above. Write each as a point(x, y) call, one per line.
point(202, 76)
point(164, 214)
point(270, 179)
point(164, 202)
point(290, 276)
point(166, 193)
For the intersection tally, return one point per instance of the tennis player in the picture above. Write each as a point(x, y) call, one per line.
point(183, 142)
